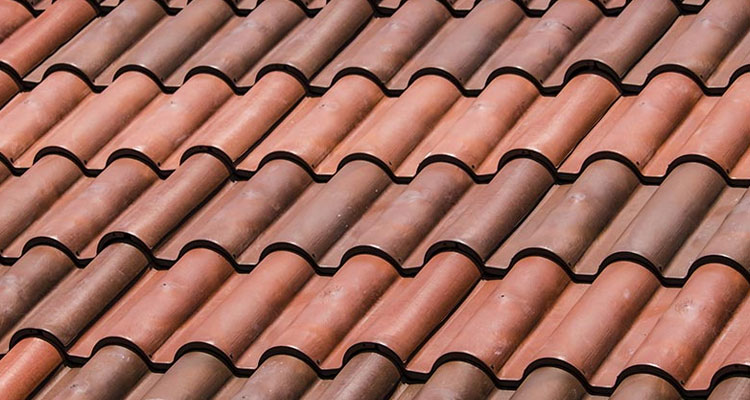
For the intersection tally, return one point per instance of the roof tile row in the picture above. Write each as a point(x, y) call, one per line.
point(668, 123)
point(584, 243)
point(421, 37)
point(584, 225)
point(693, 336)
point(201, 301)
point(118, 372)
point(384, 7)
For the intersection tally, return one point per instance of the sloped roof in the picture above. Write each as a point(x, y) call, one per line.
point(375, 200)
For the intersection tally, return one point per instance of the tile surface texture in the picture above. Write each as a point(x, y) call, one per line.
point(416, 199)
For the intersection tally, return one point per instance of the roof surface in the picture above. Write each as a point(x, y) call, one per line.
point(388, 199)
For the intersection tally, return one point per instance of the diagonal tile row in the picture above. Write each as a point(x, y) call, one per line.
point(119, 373)
point(605, 215)
point(607, 333)
point(420, 38)
point(421, 321)
point(26, 41)
point(384, 7)
point(670, 122)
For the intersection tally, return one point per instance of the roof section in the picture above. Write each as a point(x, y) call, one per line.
point(668, 123)
point(370, 224)
point(384, 7)
point(421, 37)
point(558, 208)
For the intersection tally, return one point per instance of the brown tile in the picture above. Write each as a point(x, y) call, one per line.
point(365, 376)
point(225, 322)
point(28, 116)
point(387, 44)
point(281, 377)
point(637, 129)
point(26, 366)
point(111, 192)
point(457, 380)
point(679, 335)
point(552, 127)
point(669, 217)
point(332, 206)
point(8, 87)
point(479, 134)
point(408, 312)
point(329, 315)
point(241, 43)
point(15, 15)
point(170, 41)
point(29, 197)
point(24, 286)
point(195, 375)
point(96, 120)
point(731, 388)
point(585, 122)
point(644, 386)
point(605, 320)
point(335, 220)
point(205, 36)
point(362, 210)
point(95, 46)
point(411, 215)
point(242, 121)
point(696, 44)
point(218, 231)
point(251, 206)
point(420, 37)
point(550, 383)
point(152, 216)
point(306, 44)
point(487, 214)
point(693, 205)
point(38, 38)
point(522, 298)
point(557, 226)
point(94, 129)
point(81, 295)
point(511, 42)
point(177, 292)
point(636, 331)
point(317, 125)
point(315, 41)
point(110, 373)
point(629, 318)
point(166, 120)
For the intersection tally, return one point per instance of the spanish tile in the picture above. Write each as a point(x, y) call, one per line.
point(629, 318)
point(546, 49)
point(421, 37)
point(35, 39)
point(205, 35)
point(374, 199)
point(583, 225)
point(384, 7)
point(588, 120)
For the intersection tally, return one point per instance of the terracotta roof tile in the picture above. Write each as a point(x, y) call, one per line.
point(625, 339)
point(383, 7)
point(421, 37)
point(34, 40)
point(197, 299)
point(348, 199)
point(669, 123)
